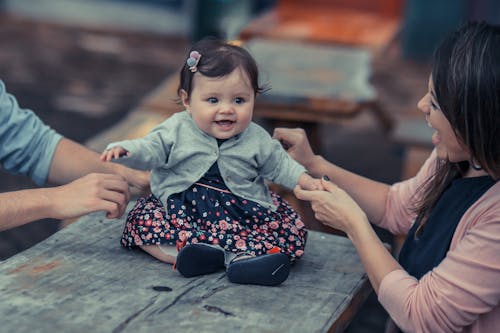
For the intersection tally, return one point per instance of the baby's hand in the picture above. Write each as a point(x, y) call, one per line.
point(113, 153)
point(309, 183)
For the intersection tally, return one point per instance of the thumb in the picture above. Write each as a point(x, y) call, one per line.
point(327, 184)
point(301, 193)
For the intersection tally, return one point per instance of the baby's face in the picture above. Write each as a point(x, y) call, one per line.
point(221, 107)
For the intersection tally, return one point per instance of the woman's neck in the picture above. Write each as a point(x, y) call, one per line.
point(475, 173)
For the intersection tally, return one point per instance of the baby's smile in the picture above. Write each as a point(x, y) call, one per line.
point(225, 123)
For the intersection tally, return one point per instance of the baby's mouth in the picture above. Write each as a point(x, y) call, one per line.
point(224, 122)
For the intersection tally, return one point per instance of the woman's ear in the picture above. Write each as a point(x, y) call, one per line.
point(184, 98)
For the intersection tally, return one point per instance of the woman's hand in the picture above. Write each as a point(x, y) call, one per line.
point(295, 142)
point(334, 207)
point(307, 182)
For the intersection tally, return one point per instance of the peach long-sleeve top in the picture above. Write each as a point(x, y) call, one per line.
point(462, 293)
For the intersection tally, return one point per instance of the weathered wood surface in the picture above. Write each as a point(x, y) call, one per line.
point(81, 280)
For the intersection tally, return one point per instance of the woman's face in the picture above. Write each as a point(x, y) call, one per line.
point(447, 145)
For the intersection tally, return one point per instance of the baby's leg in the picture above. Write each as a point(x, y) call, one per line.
point(165, 253)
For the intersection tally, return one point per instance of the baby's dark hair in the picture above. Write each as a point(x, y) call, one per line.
point(218, 59)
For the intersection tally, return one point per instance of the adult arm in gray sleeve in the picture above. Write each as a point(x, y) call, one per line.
point(27, 145)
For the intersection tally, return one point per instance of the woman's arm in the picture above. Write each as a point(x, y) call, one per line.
point(335, 208)
point(369, 194)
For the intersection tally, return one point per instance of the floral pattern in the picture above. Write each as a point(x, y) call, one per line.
point(209, 213)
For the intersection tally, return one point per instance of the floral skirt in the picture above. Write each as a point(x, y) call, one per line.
point(212, 214)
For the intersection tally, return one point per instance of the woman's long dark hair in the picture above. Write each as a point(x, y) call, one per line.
point(466, 78)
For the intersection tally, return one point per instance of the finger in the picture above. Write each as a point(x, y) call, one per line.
point(117, 185)
point(109, 155)
point(116, 154)
point(103, 156)
point(112, 209)
point(302, 194)
point(278, 133)
point(327, 184)
point(119, 200)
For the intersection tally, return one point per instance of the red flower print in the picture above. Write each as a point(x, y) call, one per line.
point(223, 225)
point(274, 225)
point(137, 240)
point(241, 244)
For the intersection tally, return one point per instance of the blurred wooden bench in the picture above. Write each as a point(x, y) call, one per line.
point(367, 23)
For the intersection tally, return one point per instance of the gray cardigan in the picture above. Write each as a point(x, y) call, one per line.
point(178, 154)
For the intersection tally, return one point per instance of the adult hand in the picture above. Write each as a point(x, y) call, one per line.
point(137, 178)
point(334, 207)
point(91, 193)
point(296, 143)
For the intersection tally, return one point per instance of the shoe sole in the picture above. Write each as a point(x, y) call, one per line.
point(198, 259)
point(266, 270)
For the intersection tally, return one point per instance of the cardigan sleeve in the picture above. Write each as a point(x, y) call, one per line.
point(278, 166)
point(152, 150)
point(457, 291)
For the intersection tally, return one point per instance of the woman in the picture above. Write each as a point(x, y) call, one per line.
point(448, 275)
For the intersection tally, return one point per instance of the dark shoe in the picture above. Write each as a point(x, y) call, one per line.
point(266, 270)
point(199, 259)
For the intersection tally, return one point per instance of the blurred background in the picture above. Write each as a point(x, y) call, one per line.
point(84, 65)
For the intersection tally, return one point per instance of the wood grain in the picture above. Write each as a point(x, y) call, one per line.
point(81, 280)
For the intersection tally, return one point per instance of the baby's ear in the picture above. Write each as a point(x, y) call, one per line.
point(184, 98)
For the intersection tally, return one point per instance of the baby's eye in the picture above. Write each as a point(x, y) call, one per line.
point(239, 100)
point(212, 100)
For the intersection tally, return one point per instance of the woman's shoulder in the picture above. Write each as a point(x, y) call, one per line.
point(490, 200)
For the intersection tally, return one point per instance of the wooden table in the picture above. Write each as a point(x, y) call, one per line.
point(81, 280)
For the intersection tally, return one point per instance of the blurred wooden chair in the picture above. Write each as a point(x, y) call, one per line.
point(366, 23)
